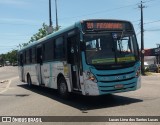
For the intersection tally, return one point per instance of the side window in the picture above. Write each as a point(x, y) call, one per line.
point(39, 56)
point(59, 48)
point(20, 59)
point(24, 57)
point(48, 51)
point(33, 55)
point(30, 55)
point(27, 56)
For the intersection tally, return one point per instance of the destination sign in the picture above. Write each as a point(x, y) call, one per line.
point(91, 25)
point(107, 25)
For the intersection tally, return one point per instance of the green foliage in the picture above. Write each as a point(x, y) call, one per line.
point(42, 32)
point(10, 56)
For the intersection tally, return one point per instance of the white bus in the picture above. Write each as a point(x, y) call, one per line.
point(91, 57)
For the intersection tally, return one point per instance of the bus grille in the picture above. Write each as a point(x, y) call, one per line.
point(108, 83)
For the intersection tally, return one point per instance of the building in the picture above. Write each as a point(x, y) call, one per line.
point(150, 59)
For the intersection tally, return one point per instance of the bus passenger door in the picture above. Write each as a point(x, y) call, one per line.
point(72, 48)
point(39, 64)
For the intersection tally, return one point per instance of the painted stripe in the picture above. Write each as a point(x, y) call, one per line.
point(7, 87)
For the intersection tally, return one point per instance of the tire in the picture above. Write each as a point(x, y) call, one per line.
point(62, 88)
point(29, 81)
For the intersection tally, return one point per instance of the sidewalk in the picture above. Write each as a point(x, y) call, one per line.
point(151, 74)
point(156, 74)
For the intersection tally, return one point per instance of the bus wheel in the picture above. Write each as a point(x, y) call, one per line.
point(62, 88)
point(29, 81)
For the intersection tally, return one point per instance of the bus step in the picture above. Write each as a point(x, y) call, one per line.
point(42, 85)
point(77, 91)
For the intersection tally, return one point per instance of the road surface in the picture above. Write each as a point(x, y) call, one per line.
point(16, 99)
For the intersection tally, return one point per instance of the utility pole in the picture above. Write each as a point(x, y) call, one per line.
point(50, 15)
point(158, 57)
point(56, 15)
point(50, 27)
point(142, 39)
point(158, 53)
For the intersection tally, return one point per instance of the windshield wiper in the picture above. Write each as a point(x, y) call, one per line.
point(119, 44)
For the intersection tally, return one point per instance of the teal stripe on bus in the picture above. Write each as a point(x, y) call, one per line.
point(105, 84)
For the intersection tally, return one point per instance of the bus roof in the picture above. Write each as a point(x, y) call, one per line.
point(49, 36)
point(77, 24)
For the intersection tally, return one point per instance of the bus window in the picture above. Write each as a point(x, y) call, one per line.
point(59, 48)
point(21, 59)
point(91, 44)
point(27, 57)
point(125, 45)
point(48, 51)
point(33, 55)
point(24, 57)
point(39, 55)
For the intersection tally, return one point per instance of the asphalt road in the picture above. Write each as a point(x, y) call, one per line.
point(16, 99)
point(8, 72)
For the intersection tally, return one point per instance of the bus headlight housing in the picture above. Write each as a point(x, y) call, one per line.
point(138, 72)
point(90, 76)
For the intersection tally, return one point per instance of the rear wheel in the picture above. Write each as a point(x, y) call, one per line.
point(62, 88)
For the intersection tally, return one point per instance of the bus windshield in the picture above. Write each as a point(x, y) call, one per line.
point(111, 48)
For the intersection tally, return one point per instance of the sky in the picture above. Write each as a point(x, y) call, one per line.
point(20, 19)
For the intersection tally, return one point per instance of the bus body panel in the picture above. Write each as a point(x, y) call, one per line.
point(46, 73)
point(138, 83)
point(49, 73)
point(21, 73)
point(31, 70)
point(108, 80)
point(89, 87)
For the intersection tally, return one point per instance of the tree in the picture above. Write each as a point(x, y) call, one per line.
point(10, 56)
point(42, 32)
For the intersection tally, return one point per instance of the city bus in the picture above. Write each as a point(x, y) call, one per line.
point(91, 57)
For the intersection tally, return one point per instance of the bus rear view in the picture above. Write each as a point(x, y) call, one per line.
point(110, 57)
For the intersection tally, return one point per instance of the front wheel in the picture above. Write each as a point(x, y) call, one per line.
point(62, 88)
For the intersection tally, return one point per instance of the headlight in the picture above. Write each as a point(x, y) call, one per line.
point(138, 72)
point(90, 76)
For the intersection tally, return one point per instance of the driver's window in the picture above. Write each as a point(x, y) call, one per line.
point(91, 45)
point(124, 45)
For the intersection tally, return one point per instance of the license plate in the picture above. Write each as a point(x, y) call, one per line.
point(119, 86)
